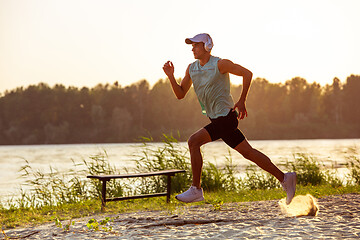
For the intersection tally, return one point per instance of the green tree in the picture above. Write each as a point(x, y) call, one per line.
point(351, 98)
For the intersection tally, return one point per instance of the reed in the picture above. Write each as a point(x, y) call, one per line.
point(171, 155)
point(308, 169)
point(354, 166)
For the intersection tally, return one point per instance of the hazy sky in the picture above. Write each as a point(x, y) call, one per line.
point(86, 42)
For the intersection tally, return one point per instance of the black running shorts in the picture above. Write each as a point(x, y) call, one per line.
point(226, 129)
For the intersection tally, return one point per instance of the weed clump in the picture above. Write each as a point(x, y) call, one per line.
point(170, 155)
point(56, 188)
point(307, 169)
point(354, 165)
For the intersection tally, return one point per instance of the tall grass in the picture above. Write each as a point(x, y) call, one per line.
point(48, 189)
point(258, 180)
point(174, 156)
point(99, 165)
point(214, 178)
point(55, 188)
point(308, 170)
point(171, 155)
point(354, 165)
point(311, 171)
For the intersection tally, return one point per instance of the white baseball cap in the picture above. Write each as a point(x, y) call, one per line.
point(202, 37)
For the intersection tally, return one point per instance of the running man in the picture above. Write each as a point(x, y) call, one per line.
point(210, 77)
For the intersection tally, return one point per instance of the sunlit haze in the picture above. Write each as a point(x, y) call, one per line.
point(86, 42)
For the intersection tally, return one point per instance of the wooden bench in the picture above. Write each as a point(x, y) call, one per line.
point(105, 178)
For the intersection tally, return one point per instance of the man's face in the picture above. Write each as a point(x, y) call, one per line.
point(198, 50)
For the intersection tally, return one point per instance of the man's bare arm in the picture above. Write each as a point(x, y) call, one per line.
point(227, 66)
point(181, 89)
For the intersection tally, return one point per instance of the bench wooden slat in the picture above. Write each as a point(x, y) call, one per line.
point(137, 196)
point(132, 175)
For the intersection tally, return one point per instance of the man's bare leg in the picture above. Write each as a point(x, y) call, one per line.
point(260, 159)
point(196, 140)
point(288, 180)
point(195, 192)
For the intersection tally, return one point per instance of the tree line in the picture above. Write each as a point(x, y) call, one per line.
point(110, 113)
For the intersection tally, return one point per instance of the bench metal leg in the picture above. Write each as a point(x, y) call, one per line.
point(168, 189)
point(103, 196)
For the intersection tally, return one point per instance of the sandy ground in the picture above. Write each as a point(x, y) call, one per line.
point(338, 218)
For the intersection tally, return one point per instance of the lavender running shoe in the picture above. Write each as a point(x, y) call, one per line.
point(193, 194)
point(289, 185)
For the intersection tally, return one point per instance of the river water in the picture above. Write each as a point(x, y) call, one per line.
point(332, 153)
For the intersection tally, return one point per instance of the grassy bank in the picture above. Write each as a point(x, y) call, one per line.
point(55, 196)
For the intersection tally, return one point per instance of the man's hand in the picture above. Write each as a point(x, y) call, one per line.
point(169, 69)
point(240, 106)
